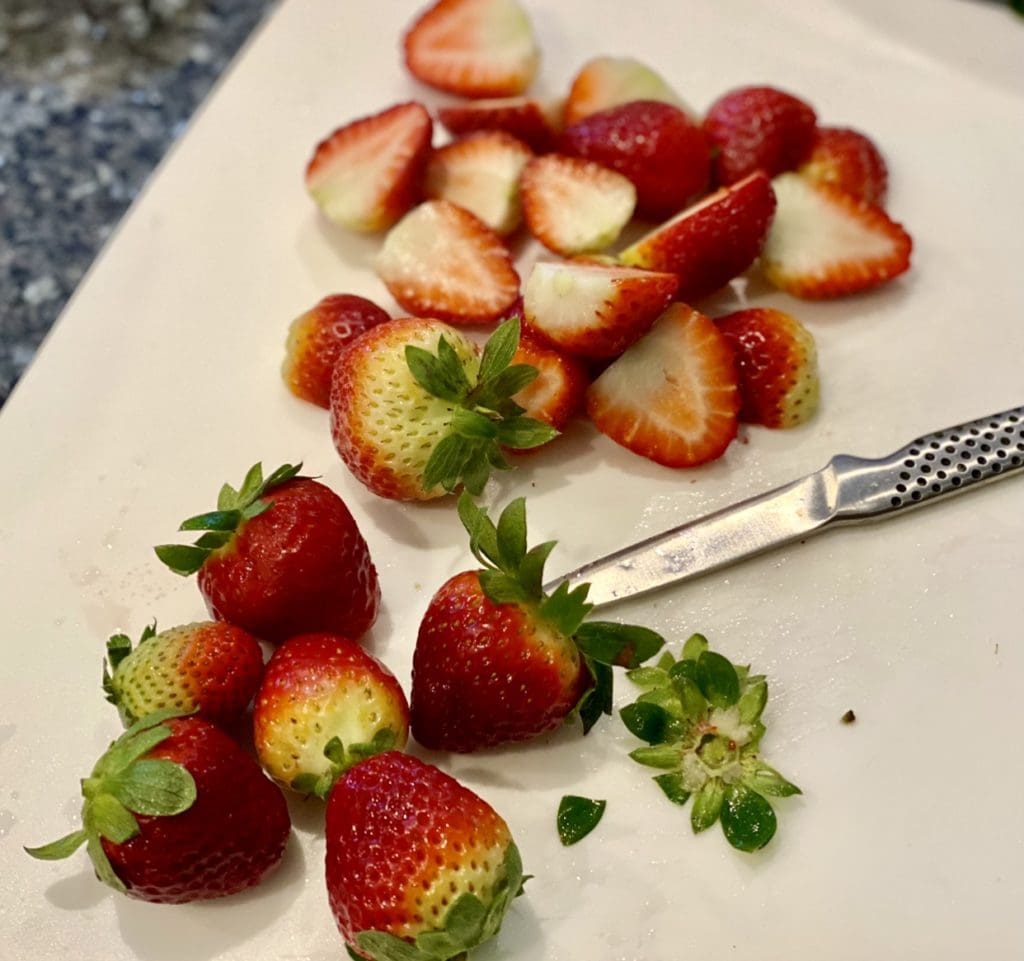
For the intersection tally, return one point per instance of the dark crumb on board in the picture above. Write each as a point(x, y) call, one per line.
point(848, 718)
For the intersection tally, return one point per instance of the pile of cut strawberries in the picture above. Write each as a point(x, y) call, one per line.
point(418, 867)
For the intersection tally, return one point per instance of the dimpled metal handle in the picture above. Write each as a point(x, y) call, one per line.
point(847, 490)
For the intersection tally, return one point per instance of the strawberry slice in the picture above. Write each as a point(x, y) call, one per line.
point(713, 241)
point(561, 385)
point(606, 82)
point(524, 118)
point(442, 261)
point(825, 242)
point(473, 48)
point(595, 312)
point(672, 397)
point(480, 173)
point(575, 206)
point(777, 364)
point(366, 175)
point(849, 160)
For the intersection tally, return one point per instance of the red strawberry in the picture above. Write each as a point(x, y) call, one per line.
point(595, 312)
point(323, 705)
point(499, 660)
point(413, 857)
point(848, 160)
point(366, 174)
point(825, 242)
point(606, 82)
point(316, 337)
point(758, 128)
point(711, 242)
point(280, 557)
point(654, 144)
point(672, 397)
point(777, 365)
point(574, 206)
point(473, 48)
point(176, 811)
point(559, 390)
point(415, 411)
point(524, 118)
point(211, 668)
point(442, 261)
point(480, 173)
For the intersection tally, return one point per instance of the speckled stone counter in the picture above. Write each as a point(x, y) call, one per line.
point(92, 93)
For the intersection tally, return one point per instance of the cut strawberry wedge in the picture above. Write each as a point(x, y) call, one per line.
point(561, 385)
point(367, 174)
point(473, 48)
point(524, 118)
point(591, 311)
point(606, 82)
point(711, 242)
point(480, 172)
point(825, 242)
point(443, 262)
point(672, 397)
point(575, 206)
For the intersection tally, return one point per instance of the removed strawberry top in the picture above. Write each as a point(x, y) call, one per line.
point(673, 396)
point(655, 145)
point(473, 48)
point(366, 174)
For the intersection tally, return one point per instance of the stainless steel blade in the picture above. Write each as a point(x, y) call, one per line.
point(847, 490)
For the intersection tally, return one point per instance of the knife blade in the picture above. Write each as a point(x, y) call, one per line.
point(846, 490)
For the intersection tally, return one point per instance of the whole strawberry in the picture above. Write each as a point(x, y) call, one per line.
point(415, 411)
point(210, 667)
point(497, 659)
point(323, 705)
point(654, 144)
point(280, 557)
point(176, 811)
point(418, 867)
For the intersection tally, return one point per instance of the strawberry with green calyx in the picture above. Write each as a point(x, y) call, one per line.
point(418, 867)
point(210, 667)
point(498, 659)
point(325, 704)
point(701, 719)
point(280, 557)
point(415, 411)
point(176, 811)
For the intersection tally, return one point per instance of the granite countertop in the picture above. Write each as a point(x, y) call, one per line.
point(92, 93)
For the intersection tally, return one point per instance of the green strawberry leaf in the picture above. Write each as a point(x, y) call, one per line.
point(463, 928)
point(108, 817)
point(695, 645)
point(649, 722)
point(61, 848)
point(251, 487)
point(707, 805)
point(577, 817)
point(437, 376)
point(622, 645)
point(101, 864)
point(499, 350)
point(512, 535)
point(477, 468)
point(764, 779)
point(503, 588)
point(648, 676)
point(181, 559)
point(469, 424)
point(495, 394)
point(531, 568)
point(154, 786)
point(381, 946)
point(752, 702)
point(446, 462)
point(565, 608)
point(598, 699)
point(525, 433)
point(748, 820)
point(483, 535)
point(692, 702)
point(212, 521)
point(672, 787)
point(283, 474)
point(717, 679)
point(663, 756)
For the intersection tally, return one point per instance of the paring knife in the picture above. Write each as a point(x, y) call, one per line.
point(846, 490)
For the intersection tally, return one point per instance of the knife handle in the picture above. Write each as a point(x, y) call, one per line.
point(930, 467)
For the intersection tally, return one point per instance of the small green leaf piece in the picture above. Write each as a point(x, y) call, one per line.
point(707, 805)
point(531, 568)
point(437, 378)
point(764, 779)
point(500, 348)
point(61, 848)
point(648, 722)
point(648, 676)
point(381, 946)
point(577, 817)
point(525, 433)
point(752, 702)
point(717, 679)
point(696, 644)
point(565, 608)
point(182, 559)
point(109, 818)
point(633, 644)
point(101, 864)
point(748, 820)
point(663, 756)
point(503, 588)
point(446, 462)
point(597, 700)
point(512, 535)
point(691, 699)
point(672, 786)
point(467, 423)
point(154, 786)
point(212, 521)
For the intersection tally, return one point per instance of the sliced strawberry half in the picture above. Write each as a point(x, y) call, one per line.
point(594, 312)
point(825, 242)
point(849, 160)
point(559, 390)
point(524, 118)
point(473, 48)
point(777, 363)
point(606, 82)
point(673, 396)
point(480, 173)
point(575, 206)
point(711, 242)
point(367, 174)
point(442, 261)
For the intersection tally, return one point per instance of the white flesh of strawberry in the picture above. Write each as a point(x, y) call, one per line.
point(618, 80)
point(564, 300)
point(484, 181)
point(809, 234)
